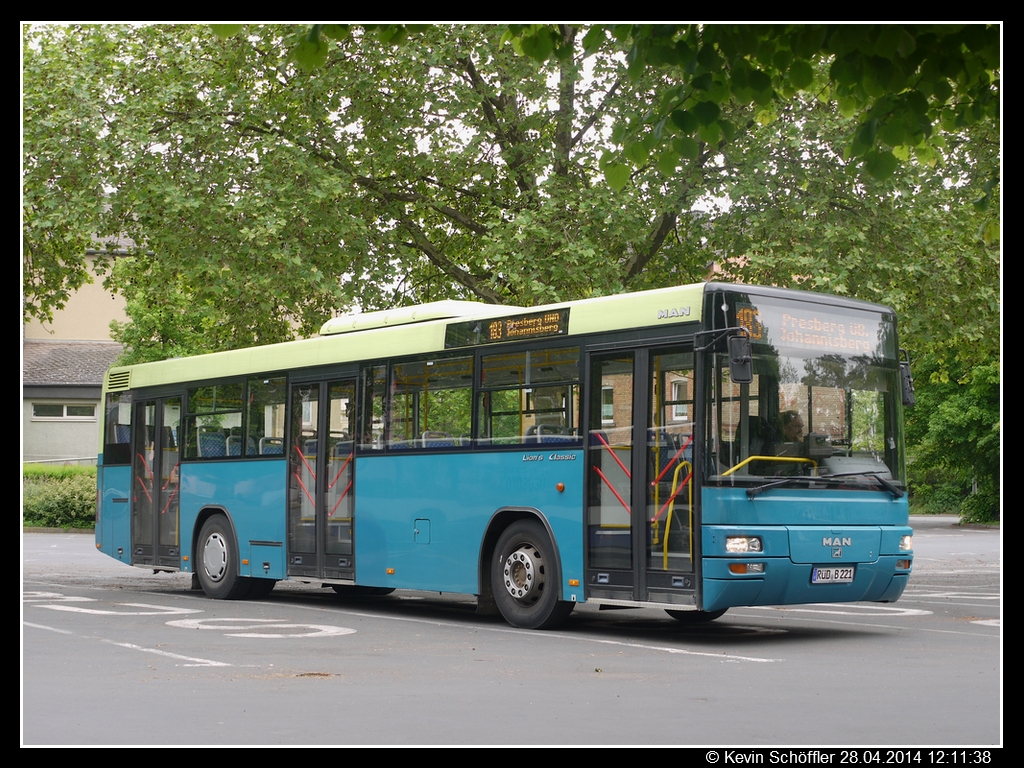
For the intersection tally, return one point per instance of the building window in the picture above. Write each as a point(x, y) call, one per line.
point(63, 411)
point(607, 405)
point(680, 401)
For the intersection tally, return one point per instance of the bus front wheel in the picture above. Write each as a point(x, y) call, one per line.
point(696, 617)
point(217, 564)
point(524, 577)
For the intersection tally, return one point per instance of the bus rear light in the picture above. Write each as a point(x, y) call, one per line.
point(741, 568)
point(743, 544)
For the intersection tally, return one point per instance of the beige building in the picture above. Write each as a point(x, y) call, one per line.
point(63, 363)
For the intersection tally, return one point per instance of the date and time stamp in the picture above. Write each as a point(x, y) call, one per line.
point(909, 757)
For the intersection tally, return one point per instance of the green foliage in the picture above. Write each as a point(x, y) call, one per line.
point(62, 198)
point(956, 429)
point(59, 497)
point(900, 81)
point(263, 200)
point(51, 471)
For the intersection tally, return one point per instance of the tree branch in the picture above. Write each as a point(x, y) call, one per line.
point(422, 244)
point(509, 137)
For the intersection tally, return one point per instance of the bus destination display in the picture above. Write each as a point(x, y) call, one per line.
point(516, 328)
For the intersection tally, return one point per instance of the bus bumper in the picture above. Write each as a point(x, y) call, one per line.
point(795, 568)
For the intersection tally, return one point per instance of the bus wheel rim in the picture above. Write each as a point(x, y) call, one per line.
point(523, 576)
point(215, 557)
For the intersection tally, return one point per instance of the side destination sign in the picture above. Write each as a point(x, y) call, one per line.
point(514, 328)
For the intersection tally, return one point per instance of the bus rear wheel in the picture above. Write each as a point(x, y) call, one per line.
point(524, 578)
point(696, 617)
point(217, 561)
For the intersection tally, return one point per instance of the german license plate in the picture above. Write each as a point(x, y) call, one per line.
point(832, 575)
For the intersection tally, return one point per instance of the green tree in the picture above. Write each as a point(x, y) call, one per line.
point(900, 81)
point(62, 194)
point(955, 428)
point(268, 198)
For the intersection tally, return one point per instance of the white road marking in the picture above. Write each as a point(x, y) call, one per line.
point(193, 661)
point(157, 610)
point(53, 597)
point(196, 662)
point(49, 629)
point(682, 651)
point(260, 626)
point(971, 595)
point(858, 610)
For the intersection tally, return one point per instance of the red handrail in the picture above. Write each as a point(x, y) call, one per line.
point(612, 489)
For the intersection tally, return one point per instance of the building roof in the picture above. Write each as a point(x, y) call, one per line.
point(75, 363)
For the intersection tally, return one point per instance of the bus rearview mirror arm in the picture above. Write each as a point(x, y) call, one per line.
point(741, 364)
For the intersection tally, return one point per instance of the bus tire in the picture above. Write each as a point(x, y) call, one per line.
point(696, 617)
point(524, 577)
point(217, 561)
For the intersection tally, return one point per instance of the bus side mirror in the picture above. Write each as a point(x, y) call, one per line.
point(906, 380)
point(741, 365)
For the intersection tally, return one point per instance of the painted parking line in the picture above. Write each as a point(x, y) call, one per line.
point(192, 661)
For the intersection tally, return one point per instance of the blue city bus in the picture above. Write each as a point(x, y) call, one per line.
point(502, 452)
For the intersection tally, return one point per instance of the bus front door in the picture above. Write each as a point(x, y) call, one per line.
point(640, 544)
point(321, 477)
point(155, 483)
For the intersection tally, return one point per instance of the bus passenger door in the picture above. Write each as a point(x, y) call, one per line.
point(155, 483)
point(639, 529)
point(321, 477)
point(669, 485)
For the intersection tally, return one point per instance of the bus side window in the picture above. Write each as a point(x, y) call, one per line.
point(264, 419)
point(431, 403)
point(530, 397)
point(117, 427)
point(214, 415)
point(371, 421)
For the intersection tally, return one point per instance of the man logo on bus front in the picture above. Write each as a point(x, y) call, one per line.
point(837, 543)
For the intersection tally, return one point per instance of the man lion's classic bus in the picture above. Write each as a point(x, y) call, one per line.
point(692, 448)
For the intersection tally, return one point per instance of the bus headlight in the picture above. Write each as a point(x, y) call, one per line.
point(906, 543)
point(743, 544)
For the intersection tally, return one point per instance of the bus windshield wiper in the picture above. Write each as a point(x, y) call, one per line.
point(887, 484)
point(759, 489)
point(824, 479)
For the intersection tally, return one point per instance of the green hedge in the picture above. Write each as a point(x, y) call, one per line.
point(58, 497)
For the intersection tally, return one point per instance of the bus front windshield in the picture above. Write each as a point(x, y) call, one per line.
point(823, 401)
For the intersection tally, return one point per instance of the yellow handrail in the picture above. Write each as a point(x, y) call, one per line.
point(671, 509)
point(791, 459)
